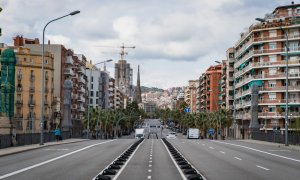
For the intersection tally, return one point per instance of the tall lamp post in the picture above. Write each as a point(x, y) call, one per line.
point(286, 79)
point(43, 75)
point(88, 123)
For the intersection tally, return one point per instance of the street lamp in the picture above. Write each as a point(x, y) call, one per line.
point(88, 123)
point(286, 80)
point(43, 76)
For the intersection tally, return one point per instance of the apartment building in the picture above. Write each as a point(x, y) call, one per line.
point(28, 90)
point(209, 89)
point(260, 58)
point(111, 91)
point(227, 82)
point(94, 83)
point(119, 99)
point(190, 95)
point(67, 65)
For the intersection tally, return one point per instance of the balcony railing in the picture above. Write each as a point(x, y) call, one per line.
point(18, 115)
point(280, 88)
point(32, 78)
point(31, 103)
point(19, 77)
point(276, 101)
point(19, 102)
point(68, 71)
point(31, 89)
point(69, 60)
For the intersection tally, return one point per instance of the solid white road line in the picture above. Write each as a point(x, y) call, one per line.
point(264, 152)
point(50, 160)
point(262, 167)
point(222, 152)
point(149, 177)
point(149, 170)
point(150, 165)
point(238, 158)
point(211, 147)
point(123, 167)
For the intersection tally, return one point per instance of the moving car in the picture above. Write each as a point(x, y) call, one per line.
point(171, 135)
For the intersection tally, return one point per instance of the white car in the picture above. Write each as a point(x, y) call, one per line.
point(171, 135)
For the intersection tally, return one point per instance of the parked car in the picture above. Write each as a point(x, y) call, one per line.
point(171, 135)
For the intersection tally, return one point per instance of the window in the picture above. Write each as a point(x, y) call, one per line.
point(272, 71)
point(46, 61)
point(92, 79)
point(293, 46)
point(272, 33)
point(272, 108)
point(272, 45)
point(97, 101)
point(272, 96)
point(31, 60)
point(91, 101)
point(97, 94)
point(92, 86)
point(272, 58)
point(91, 93)
point(272, 83)
point(25, 59)
point(261, 59)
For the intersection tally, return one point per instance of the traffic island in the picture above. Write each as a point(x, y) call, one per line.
point(118, 164)
point(186, 168)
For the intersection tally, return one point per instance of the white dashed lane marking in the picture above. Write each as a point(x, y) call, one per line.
point(211, 147)
point(262, 167)
point(149, 177)
point(238, 158)
point(222, 152)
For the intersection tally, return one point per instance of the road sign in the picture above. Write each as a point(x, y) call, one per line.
point(211, 131)
point(187, 110)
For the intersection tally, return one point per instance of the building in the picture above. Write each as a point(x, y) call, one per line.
point(112, 92)
point(260, 59)
point(94, 86)
point(123, 77)
point(209, 89)
point(191, 95)
point(138, 93)
point(28, 78)
point(67, 65)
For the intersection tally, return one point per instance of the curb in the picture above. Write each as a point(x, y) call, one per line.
point(38, 147)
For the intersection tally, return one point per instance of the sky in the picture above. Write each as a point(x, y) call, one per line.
point(175, 40)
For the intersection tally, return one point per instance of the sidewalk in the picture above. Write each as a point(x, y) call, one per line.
point(294, 147)
point(18, 149)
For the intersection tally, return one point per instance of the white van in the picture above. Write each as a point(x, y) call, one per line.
point(139, 133)
point(193, 133)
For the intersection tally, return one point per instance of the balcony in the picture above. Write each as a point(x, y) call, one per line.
point(80, 99)
point(277, 114)
point(81, 69)
point(31, 89)
point(46, 90)
point(31, 116)
point(69, 60)
point(19, 88)
point(19, 102)
point(74, 106)
point(82, 109)
point(81, 80)
point(82, 90)
point(74, 96)
point(31, 103)
point(68, 71)
point(280, 88)
point(32, 78)
point(18, 115)
point(46, 103)
point(278, 101)
point(19, 77)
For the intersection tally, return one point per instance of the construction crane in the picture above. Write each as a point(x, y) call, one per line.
point(123, 47)
point(123, 53)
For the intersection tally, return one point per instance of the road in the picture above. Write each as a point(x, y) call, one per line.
point(227, 159)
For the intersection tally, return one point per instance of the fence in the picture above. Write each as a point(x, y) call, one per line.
point(27, 139)
point(277, 137)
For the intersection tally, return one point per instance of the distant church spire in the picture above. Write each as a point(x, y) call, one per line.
point(138, 96)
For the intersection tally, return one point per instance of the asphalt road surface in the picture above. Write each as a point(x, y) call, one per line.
point(228, 159)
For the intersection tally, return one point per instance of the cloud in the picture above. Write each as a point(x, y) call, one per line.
point(176, 40)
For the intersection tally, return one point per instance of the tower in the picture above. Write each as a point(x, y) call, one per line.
point(138, 96)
